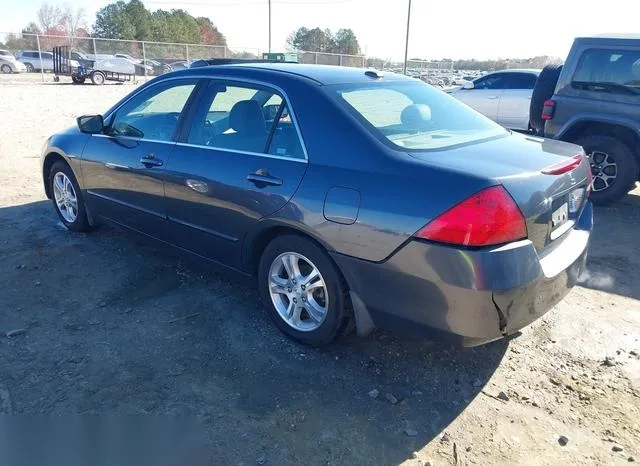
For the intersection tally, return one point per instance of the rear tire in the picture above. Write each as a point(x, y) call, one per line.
point(543, 90)
point(30, 68)
point(77, 80)
point(610, 182)
point(334, 294)
point(70, 206)
point(97, 78)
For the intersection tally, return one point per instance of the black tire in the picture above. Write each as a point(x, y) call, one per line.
point(77, 80)
point(30, 68)
point(626, 167)
point(338, 317)
point(6, 69)
point(97, 78)
point(81, 223)
point(543, 90)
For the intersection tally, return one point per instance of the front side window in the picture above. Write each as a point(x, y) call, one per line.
point(493, 82)
point(413, 115)
point(154, 113)
point(245, 118)
point(610, 71)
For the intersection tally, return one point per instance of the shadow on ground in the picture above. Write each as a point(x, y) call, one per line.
point(614, 249)
point(114, 324)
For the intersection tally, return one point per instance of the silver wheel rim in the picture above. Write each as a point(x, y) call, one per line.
point(298, 291)
point(6, 69)
point(603, 169)
point(65, 197)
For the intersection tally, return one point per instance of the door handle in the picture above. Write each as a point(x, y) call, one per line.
point(262, 178)
point(150, 160)
point(492, 97)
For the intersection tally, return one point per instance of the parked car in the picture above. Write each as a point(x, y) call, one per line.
point(367, 198)
point(179, 65)
point(36, 61)
point(141, 68)
point(503, 96)
point(9, 64)
point(594, 101)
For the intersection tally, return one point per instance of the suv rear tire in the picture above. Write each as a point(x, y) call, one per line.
point(543, 90)
point(603, 151)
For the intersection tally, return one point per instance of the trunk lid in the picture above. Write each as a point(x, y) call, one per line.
point(550, 203)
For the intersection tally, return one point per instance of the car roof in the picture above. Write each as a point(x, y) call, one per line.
point(321, 74)
point(518, 70)
point(610, 39)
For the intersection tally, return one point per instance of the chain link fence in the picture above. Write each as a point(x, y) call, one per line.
point(149, 58)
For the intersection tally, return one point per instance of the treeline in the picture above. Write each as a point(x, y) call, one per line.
point(323, 40)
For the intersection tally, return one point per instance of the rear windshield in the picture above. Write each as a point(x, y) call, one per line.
point(414, 115)
point(611, 71)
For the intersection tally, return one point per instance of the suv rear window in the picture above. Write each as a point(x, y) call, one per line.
point(415, 115)
point(612, 71)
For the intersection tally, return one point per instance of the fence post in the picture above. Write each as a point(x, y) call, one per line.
point(316, 57)
point(224, 51)
point(186, 46)
point(95, 51)
point(40, 57)
point(144, 60)
point(340, 56)
point(364, 62)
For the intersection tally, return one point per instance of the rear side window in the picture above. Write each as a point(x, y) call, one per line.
point(521, 81)
point(414, 115)
point(609, 71)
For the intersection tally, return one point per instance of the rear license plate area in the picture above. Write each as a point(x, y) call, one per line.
point(560, 215)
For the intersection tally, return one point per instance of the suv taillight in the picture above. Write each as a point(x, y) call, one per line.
point(548, 109)
point(488, 217)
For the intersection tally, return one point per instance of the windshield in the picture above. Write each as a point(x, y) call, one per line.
point(414, 115)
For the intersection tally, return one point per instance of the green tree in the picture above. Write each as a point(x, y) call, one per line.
point(312, 40)
point(113, 22)
point(346, 42)
point(140, 18)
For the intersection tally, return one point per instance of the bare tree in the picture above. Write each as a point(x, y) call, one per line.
point(72, 20)
point(49, 17)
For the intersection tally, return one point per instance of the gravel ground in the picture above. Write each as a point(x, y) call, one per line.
point(110, 323)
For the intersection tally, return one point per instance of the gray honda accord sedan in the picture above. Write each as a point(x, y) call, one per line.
point(356, 198)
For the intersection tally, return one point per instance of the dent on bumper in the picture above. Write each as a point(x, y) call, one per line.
point(464, 295)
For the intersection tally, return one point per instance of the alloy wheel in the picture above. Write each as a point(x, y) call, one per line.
point(603, 169)
point(298, 291)
point(65, 197)
point(6, 69)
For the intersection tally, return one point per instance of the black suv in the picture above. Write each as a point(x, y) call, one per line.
point(594, 101)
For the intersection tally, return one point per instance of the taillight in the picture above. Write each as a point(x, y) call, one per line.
point(548, 109)
point(489, 217)
point(564, 166)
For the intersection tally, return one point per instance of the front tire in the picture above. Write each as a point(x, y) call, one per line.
point(303, 290)
point(6, 69)
point(67, 197)
point(613, 166)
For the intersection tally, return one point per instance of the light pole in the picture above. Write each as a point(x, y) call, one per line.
point(406, 44)
point(269, 26)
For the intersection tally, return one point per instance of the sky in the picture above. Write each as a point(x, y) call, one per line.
point(439, 28)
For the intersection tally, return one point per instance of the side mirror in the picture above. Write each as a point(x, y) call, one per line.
point(91, 124)
point(468, 85)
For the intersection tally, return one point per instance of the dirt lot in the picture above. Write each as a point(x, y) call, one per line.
point(109, 323)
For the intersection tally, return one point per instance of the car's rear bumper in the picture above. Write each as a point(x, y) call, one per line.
point(468, 296)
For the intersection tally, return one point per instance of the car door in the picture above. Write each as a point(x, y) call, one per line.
point(513, 109)
point(485, 95)
point(240, 159)
point(123, 168)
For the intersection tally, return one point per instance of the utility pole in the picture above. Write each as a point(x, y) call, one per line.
point(406, 44)
point(269, 26)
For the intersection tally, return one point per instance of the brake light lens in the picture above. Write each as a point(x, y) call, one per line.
point(489, 217)
point(564, 166)
point(548, 109)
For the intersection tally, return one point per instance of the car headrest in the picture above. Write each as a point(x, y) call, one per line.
point(416, 115)
point(246, 117)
